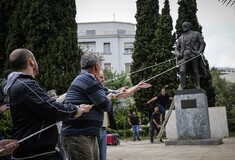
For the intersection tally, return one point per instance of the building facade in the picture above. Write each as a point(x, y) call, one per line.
point(112, 40)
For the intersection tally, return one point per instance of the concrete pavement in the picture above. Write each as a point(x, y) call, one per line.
point(143, 150)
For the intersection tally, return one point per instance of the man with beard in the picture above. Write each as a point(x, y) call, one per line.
point(32, 110)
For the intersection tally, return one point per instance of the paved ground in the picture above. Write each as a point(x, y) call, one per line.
point(143, 150)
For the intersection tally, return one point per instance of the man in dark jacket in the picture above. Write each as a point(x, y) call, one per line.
point(32, 110)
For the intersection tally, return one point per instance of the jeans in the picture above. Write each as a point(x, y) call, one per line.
point(162, 109)
point(80, 147)
point(135, 131)
point(102, 144)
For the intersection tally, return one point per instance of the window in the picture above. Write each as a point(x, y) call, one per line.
point(107, 48)
point(88, 46)
point(107, 66)
point(90, 32)
point(127, 67)
point(128, 47)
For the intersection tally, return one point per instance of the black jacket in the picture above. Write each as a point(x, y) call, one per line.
point(32, 110)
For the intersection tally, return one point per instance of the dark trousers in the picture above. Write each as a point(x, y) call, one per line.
point(153, 128)
point(195, 67)
point(52, 156)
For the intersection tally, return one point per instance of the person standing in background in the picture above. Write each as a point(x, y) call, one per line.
point(134, 120)
point(155, 123)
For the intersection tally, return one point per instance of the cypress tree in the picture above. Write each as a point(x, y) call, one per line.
point(49, 30)
point(164, 46)
point(16, 34)
point(7, 8)
point(187, 12)
point(57, 49)
point(144, 52)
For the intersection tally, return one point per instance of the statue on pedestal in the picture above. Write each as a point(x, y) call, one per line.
point(189, 52)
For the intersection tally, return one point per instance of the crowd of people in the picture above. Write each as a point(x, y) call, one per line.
point(85, 111)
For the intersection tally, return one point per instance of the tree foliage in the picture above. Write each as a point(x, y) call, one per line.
point(164, 42)
point(116, 80)
point(153, 46)
point(147, 18)
point(224, 90)
point(6, 9)
point(49, 30)
point(187, 12)
point(6, 124)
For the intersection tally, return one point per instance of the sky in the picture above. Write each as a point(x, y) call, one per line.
point(217, 20)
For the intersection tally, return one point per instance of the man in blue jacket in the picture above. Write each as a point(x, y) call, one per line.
point(32, 110)
point(79, 136)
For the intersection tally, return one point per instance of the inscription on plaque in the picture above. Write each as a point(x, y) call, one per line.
point(189, 103)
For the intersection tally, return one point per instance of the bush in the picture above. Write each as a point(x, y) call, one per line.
point(6, 124)
point(144, 131)
point(231, 120)
point(231, 125)
point(125, 133)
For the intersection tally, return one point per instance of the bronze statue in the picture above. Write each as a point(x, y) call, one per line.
point(189, 50)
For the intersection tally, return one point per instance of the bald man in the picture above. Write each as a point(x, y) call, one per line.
point(32, 109)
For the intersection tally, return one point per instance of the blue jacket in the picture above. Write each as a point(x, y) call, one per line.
point(86, 89)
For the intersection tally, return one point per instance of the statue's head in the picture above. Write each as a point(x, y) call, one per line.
point(186, 26)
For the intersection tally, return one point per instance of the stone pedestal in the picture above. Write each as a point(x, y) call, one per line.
point(192, 119)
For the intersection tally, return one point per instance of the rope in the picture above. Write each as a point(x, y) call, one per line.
point(156, 65)
point(140, 70)
point(2, 150)
point(171, 68)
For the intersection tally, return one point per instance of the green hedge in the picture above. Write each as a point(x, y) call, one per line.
point(6, 124)
point(231, 120)
point(231, 125)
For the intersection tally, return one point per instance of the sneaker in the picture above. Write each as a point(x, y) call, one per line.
point(139, 139)
point(134, 139)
